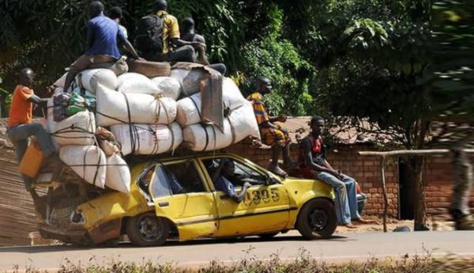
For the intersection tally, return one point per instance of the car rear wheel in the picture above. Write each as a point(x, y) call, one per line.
point(317, 219)
point(147, 230)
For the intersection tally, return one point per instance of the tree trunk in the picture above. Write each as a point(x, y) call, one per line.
point(420, 201)
point(415, 176)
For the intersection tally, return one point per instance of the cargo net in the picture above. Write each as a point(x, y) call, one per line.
point(57, 202)
point(60, 215)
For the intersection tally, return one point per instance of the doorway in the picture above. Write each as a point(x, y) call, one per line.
point(406, 191)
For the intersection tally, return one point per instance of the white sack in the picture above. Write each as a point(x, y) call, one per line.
point(78, 129)
point(240, 124)
point(60, 82)
point(58, 90)
point(118, 174)
point(243, 123)
point(189, 80)
point(92, 78)
point(201, 137)
point(168, 87)
point(147, 139)
point(136, 83)
point(189, 109)
point(50, 120)
point(86, 161)
point(115, 108)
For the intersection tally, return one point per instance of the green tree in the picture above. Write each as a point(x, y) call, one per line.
point(371, 68)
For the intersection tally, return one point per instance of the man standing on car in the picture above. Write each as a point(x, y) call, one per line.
point(20, 126)
point(103, 35)
point(313, 165)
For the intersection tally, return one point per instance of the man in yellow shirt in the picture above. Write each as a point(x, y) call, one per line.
point(174, 49)
point(272, 131)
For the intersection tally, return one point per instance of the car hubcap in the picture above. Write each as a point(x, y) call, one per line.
point(150, 228)
point(318, 219)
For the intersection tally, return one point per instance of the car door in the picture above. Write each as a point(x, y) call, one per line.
point(265, 208)
point(192, 209)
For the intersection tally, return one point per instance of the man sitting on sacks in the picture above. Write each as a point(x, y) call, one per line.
point(20, 126)
point(103, 35)
point(188, 34)
point(272, 130)
point(173, 48)
point(221, 177)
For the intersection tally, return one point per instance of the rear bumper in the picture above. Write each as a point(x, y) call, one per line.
point(80, 236)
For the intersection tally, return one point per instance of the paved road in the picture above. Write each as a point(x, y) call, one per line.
point(356, 247)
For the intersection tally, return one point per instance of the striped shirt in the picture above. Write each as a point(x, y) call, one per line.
point(259, 107)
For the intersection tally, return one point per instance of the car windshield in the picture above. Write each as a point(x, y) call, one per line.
point(241, 172)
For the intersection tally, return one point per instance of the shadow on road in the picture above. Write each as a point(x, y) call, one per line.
point(170, 243)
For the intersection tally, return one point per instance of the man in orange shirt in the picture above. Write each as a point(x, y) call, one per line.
point(20, 126)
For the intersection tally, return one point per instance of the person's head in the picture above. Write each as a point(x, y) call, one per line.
point(187, 25)
point(27, 76)
point(317, 125)
point(160, 5)
point(228, 167)
point(116, 13)
point(95, 8)
point(263, 85)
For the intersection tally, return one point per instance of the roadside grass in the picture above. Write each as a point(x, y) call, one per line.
point(304, 263)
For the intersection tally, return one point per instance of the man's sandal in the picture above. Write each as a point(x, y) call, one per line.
point(278, 171)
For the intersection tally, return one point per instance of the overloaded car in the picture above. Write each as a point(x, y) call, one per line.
point(175, 198)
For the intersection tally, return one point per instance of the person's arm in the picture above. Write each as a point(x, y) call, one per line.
point(280, 118)
point(128, 46)
point(37, 100)
point(239, 197)
point(180, 42)
point(201, 50)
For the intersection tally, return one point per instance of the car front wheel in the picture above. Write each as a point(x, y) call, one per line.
point(317, 219)
point(147, 230)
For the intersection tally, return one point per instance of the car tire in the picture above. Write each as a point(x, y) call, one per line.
point(147, 230)
point(317, 219)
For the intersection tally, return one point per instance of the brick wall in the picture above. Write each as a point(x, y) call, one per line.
point(439, 175)
point(366, 170)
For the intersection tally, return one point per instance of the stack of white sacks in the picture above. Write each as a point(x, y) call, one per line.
point(146, 118)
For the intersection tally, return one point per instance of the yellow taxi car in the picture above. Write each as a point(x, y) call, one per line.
point(176, 198)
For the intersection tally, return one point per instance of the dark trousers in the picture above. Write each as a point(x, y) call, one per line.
point(181, 54)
